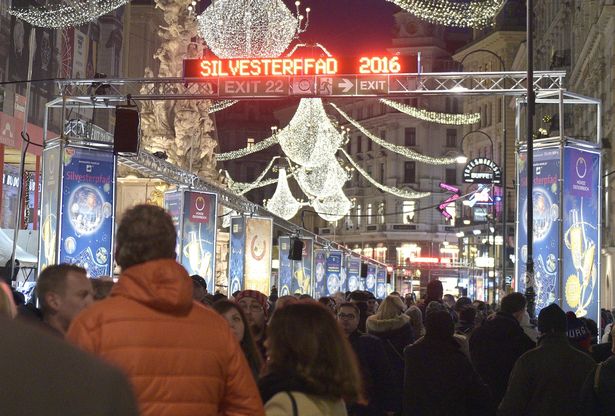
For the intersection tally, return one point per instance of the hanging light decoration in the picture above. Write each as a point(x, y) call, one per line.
point(283, 203)
point(221, 105)
point(400, 150)
point(62, 15)
point(241, 188)
point(432, 116)
point(333, 207)
point(322, 181)
point(388, 189)
point(250, 29)
point(474, 13)
point(253, 148)
point(310, 139)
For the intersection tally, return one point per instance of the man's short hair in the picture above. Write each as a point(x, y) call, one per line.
point(145, 233)
point(349, 305)
point(513, 303)
point(53, 279)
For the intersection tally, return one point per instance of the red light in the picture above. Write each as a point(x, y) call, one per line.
point(268, 67)
point(379, 65)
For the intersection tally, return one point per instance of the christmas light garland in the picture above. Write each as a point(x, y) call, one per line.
point(433, 116)
point(253, 148)
point(250, 29)
point(221, 105)
point(389, 189)
point(400, 150)
point(241, 188)
point(66, 15)
point(475, 13)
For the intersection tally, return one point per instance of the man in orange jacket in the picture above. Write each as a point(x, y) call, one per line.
point(181, 357)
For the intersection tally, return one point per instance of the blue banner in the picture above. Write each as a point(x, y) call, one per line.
point(370, 280)
point(381, 281)
point(320, 281)
point(333, 270)
point(236, 254)
point(86, 231)
point(546, 194)
point(353, 272)
point(581, 248)
point(285, 271)
point(198, 255)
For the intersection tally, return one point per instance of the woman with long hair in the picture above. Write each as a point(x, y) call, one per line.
point(240, 328)
point(311, 368)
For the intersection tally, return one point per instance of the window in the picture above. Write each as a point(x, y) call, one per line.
point(381, 212)
point(409, 172)
point(408, 210)
point(369, 213)
point(383, 108)
point(450, 176)
point(369, 144)
point(250, 142)
point(500, 110)
point(358, 215)
point(410, 136)
point(369, 171)
point(382, 173)
point(349, 146)
point(451, 138)
point(359, 142)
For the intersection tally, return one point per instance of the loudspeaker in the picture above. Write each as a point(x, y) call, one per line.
point(126, 133)
point(296, 249)
point(363, 269)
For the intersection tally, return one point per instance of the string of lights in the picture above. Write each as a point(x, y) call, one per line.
point(389, 189)
point(62, 15)
point(252, 148)
point(254, 29)
point(433, 116)
point(243, 187)
point(475, 13)
point(400, 150)
point(221, 105)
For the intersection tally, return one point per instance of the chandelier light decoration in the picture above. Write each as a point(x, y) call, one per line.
point(250, 28)
point(283, 203)
point(310, 139)
point(472, 13)
point(334, 207)
point(389, 189)
point(221, 105)
point(323, 181)
point(62, 15)
point(432, 116)
point(400, 150)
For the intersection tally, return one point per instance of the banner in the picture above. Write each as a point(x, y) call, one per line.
point(86, 230)
point(320, 281)
point(302, 270)
point(285, 271)
point(198, 236)
point(370, 280)
point(332, 271)
point(581, 217)
point(259, 235)
point(381, 281)
point(47, 253)
point(546, 194)
point(173, 205)
point(236, 255)
point(353, 272)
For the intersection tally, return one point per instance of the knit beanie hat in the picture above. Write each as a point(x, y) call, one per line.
point(551, 319)
point(577, 332)
point(254, 294)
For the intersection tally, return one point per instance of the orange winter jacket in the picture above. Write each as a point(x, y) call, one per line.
point(181, 357)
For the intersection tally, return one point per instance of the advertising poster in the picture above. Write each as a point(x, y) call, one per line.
point(236, 255)
point(302, 270)
point(259, 235)
point(353, 267)
point(333, 270)
point(285, 270)
point(198, 235)
point(581, 248)
point(381, 282)
point(370, 280)
point(49, 206)
point(546, 194)
point(86, 230)
point(320, 281)
point(173, 205)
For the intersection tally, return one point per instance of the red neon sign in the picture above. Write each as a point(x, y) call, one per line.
point(292, 66)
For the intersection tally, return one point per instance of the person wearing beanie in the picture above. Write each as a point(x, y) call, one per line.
point(578, 334)
point(496, 345)
point(255, 306)
point(547, 380)
point(439, 379)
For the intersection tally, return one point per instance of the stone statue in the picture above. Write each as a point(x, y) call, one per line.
point(181, 129)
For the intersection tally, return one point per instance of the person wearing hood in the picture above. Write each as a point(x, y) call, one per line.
point(180, 356)
point(392, 326)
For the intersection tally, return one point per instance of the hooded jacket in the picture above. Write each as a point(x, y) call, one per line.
point(597, 398)
point(181, 358)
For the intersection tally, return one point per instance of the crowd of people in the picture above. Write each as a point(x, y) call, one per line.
point(157, 343)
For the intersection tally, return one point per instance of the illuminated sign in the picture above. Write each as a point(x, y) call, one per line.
point(482, 170)
point(291, 66)
point(450, 188)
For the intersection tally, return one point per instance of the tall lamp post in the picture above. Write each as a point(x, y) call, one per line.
point(503, 156)
point(492, 207)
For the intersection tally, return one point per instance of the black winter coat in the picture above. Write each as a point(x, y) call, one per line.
point(495, 346)
point(598, 394)
point(440, 381)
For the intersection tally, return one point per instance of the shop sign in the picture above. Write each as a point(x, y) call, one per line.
point(482, 170)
